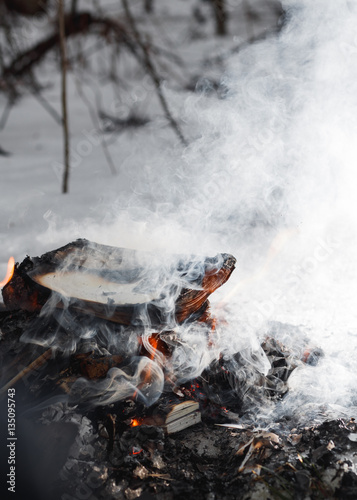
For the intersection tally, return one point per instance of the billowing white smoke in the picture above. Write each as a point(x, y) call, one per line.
point(272, 179)
point(292, 110)
point(146, 383)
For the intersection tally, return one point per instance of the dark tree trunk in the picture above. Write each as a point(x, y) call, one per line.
point(221, 17)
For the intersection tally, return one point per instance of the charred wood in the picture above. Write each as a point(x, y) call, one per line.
point(94, 367)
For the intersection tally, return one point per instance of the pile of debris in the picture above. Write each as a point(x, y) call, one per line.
point(88, 338)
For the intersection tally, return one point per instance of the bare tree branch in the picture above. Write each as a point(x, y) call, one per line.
point(41, 360)
point(152, 72)
point(74, 7)
point(5, 113)
point(94, 117)
point(46, 105)
point(149, 6)
point(62, 35)
point(220, 13)
point(81, 23)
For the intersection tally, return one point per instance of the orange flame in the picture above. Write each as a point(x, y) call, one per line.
point(154, 343)
point(136, 450)
point(9, 272)
point(135, 422)
point(151, 350)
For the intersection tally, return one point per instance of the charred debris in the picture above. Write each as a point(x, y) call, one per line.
point(88, 340)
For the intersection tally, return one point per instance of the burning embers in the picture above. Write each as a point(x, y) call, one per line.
point(128, 323)
point(123, 327)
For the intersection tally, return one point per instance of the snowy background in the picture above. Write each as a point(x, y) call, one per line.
point(35, 216)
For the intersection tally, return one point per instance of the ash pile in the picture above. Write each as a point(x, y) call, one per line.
point(120, 383)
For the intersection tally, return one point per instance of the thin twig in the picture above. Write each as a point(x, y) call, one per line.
point(5, 113)
point(62, 34)
point(152, 71)
point(94, 117)
point(220, 13)
point(22, 62)
point(40, 98)
point(47, 106)
point(41, 360)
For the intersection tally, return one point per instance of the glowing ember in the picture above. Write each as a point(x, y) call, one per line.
point(9, 272)
point(153, 342)
point(134, 423)
point(136, 450)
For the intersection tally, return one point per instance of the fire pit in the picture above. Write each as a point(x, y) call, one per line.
point(115, 360)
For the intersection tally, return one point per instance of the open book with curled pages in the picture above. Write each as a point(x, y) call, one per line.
point(118, 284)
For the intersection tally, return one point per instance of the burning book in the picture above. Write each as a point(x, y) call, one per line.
point(124, 320)
point(120, 325)
point(124, 344)
point(131, 307)
point(117, 284)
